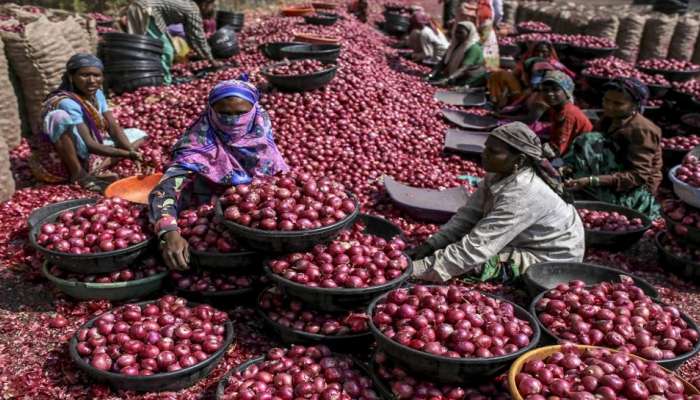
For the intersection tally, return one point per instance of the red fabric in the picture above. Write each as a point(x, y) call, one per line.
point(567, 124)
point(483, 11)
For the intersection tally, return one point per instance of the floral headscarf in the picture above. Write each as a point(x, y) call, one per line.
point(562, 80)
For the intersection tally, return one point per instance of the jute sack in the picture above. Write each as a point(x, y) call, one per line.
point(696, 53)
point(38, 56)
point(510, 10)
point(7, 182)
point(76, 35)
point(684, 38)
point(656, 39)
point(10, 124)
point(603, 26)
point(629, 35)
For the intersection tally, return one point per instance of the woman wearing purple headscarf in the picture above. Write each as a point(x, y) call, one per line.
point(426, 40)
point(230, 144)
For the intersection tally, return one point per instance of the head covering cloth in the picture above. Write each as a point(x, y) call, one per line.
point(521, 138)
point(230, 152)
point(455, 53)
point(563, 81)
point(420, 19)
point(633, 87)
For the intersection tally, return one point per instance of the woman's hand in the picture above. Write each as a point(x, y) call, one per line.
point(175, 250)
point(420, 252)
point(135, 155)
point(577, 184)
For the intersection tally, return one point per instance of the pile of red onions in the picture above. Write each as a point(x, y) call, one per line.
point(353, 260)
point(203, 234)
point(682, 214)
point(668, 65)
point(294, 202)
point(616, 315)
point(108, 225)
point(301, 373)
point(294, 315)
point(691, 87)
point(608, 221)
point(210, 282)
point(406, 386)
point(451, 321)
point(163, 336)
point(301, 67)
point(689, 171)
point(680, 143)
point(534, 26)
point(148, 267)
point(613, 67)
point(679, 249)
point(597, 373)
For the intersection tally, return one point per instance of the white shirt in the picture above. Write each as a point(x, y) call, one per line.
point(426, 43)
point(519, 218)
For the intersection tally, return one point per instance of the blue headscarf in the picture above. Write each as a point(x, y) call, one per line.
point(79, 60)
point(633, 87)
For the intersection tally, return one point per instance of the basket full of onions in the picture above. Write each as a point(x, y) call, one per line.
point(673, 70)
point(162, 345)
point(299, 75)
point(686, 180)
point(214, 287)
point(677, 257)
point(298, 372)
point(211, 246)
point(94, 238)
point(287, 213)
point(42, 213)
point(451, 334)
point(128, 283)
point(619, 316)
point(682, 220)
point(363, 262)
point(589, 373)
point(296, 323)
point(611, 226)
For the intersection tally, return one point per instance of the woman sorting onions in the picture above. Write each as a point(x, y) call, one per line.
point(229, 144)
point(517, 217)
point(463, 63)
point(621, 162)
point(72, 145)
point(426, 40)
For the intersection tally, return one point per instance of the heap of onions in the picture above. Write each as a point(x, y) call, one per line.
point(534, 26)
point(302, 67)
point(616, 315)
point(691, 87)
point(301, 373)
point(680, 143)
point(451, 321)
point(682, 214)
point(108, 225)
point(689, 171)
point(663, 64)
point(406, 386)
point(597, 373)
point(294, 315)
point(148, 267)
point(613, 67)
point(163, 336)
point(203, 234)
point(294, 202)
point(673, 246)
point(205, 281)
point(608, 221)
point(353, 260)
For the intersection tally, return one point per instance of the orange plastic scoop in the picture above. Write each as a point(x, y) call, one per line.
point(135, 188)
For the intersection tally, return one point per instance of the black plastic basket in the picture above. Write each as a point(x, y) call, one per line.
point(273, 50)
point(228, 262)
point(693, 235)
point(673, 76)
point(168, 381)
point(283, 241)
point(300, 83)
point(541, 277)
point(595, 82)
point(126, 39)
point(680, 266)
point(327, 53)
point(95, 263)
point(116, 291)
point(42, 213)
point(616, 240)
point(325, 19)
point(671, 363)
point(657, 91)
point(347, 343)
point(588, 53)
point(131, 83)
point(446, 369)
point(220, 298)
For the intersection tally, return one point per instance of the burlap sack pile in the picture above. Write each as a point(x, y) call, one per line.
point(657, 36)
point(605, 26)
point(684, 37)
point(38, 56)
point(629, 36)
point(7, 182)
point(10, 124)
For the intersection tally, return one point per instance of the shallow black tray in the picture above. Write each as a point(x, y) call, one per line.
point(168, 381)
point(470, 121)
point(300, 83)
point(677, 265)
point(273, 50)
point(96, 263)
point(430, 205)
point(541, 277)
point(327, 53)
point(657, 91)
point(321, 19)
point(590, 52)
point(282, 241)
point(616, 240)
point(225, 261)
point(671, 363)
point(446, 369)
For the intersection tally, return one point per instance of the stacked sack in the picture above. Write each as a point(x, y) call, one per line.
point(10, 128)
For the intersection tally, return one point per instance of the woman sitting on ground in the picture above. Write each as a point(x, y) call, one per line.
point(229, 144)
point(78, 130)
point(621, 162)
point(426, 40)
point(463, 64)
point(520, 215)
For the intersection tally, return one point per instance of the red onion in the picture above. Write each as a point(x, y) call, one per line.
point(608, 221)
point(203, 234)
point(301, 67)
point(669, 65)
point(146, 268)
point(689, 171)
point(205, 281)
point(534, 26)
